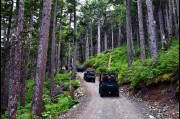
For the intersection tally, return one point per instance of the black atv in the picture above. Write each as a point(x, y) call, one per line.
point(90, 75)
point(80, 68)
point(108, 84)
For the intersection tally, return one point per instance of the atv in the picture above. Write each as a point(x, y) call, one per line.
point(108, 84)
point(90, 75)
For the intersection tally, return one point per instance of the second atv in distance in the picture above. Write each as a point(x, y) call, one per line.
point(90, 75)
point(108, 84)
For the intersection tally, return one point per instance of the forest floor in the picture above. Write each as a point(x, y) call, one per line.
point(149, 103)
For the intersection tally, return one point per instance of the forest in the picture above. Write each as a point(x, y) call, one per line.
point(40, 38)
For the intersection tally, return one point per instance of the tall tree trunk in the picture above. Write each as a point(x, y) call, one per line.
point(3, 70)
point(141, 30)
point(5, 64)
point(170, 23)
point(175, 20)
point(99, 37)
point(91, 39)
point(112, 41)
point(132, 41)
point(102, 45)
point(10, 20)
point(59, 52)
point(161, 24)
point(152, 30)
point(36, 108)
point(53, 46)
point(165, 21)
point(75, 44)
point(14, 82)
point(119, 36)
point(26, 61)
point(128, 30)
point(69, 55)
point(81, 52)
point(105, 39)
point(69, 47)
point(87, 43)
point(177, 4)
point(137, 37)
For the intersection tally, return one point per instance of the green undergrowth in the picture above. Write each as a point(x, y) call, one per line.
point(140, 73)
point(62, 80)
point(63, 101)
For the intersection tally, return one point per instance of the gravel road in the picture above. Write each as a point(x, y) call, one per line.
point(108, 107)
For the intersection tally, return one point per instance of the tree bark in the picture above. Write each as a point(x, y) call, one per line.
point(53, 46)
point(132, 41)
point(177, 4)
point(59, 48)
point(14, 82)
point(91, 39)
point(10, 20)
point(105, 39)
point(161, 24)
point(141, 30)
point(87, 43)
point(152, 30)
point(26, 61)
point(165, 21)
point(81, 52)
point(5, 64)
point(112, 41)
point(69, 55)
point(119, 36)
point(169, 23)
point(69, 48)
point(128, 30)
point(137, 37)
point(175, 20)
point(36, 108)
point(75, 44)
point(99, 37)
point(59, 53)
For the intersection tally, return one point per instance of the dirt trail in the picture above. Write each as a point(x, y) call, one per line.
point(108, 107)
point(104, 107)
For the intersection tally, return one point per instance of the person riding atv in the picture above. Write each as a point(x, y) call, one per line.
point(108, 84)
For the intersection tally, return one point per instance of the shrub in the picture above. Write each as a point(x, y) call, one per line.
point(65, 102)
point(75, 83)
point(140, 72)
